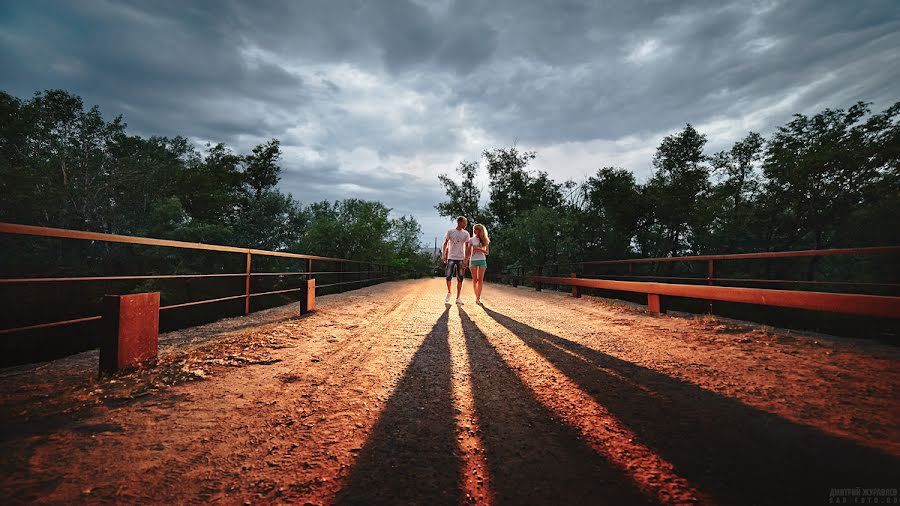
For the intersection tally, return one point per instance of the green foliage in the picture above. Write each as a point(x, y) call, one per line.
point(64, 166)
point(829, 180)
point(676, 194)
point(738, 191)
point(614, 205)
point(819, 172)
point(514, 188)
point(463, 197)
point(540, 236)
point(261, 167)
point(352, 228)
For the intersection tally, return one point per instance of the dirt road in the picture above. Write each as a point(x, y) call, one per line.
point(386, 395)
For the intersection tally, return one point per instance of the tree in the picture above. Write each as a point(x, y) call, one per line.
point(267, 221)
point(352, 228)
point(514, 188)
point(210, 187)
point(59, 161)
point(613, 209)
point(261, 167)
point(881, 205)
point(143, 185)
point(463, 197)
point(543, 235)
point(817, 171)
point(405, 235)
point(737, 193)
point(62, 165)
point(677, 193)
point(407, 252)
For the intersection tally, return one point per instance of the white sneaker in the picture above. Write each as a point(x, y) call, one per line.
point(459, 300)
point(447, 299)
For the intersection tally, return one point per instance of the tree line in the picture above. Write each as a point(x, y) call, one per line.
point(827, 180)
point(65, 166)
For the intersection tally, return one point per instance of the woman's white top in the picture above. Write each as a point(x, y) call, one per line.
point(476, 255)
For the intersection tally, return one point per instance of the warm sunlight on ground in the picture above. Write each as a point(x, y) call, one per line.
point(386, 394)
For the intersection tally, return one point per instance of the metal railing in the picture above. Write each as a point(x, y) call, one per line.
point(364, 273)
point(887, 306)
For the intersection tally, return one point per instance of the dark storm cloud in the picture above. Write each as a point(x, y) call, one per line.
point(681, 62)
point(371, 99)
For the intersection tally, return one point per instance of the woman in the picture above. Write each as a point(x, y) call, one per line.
point(480, 243)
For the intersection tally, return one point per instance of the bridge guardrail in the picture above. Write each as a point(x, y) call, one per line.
point(365, 272)
point(848, 303)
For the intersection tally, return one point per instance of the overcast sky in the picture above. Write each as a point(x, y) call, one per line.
point(374, 99)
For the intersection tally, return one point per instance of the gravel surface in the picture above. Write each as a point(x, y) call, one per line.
point(386, 395)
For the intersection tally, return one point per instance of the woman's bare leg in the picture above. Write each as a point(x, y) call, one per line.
point(478, 281)
point(481, 281)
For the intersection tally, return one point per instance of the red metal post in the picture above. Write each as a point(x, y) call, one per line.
point(575, 291)
point(710, 274)
point(655, 304)
point(247, 288)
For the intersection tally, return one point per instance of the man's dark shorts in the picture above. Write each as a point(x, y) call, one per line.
point(454, 267)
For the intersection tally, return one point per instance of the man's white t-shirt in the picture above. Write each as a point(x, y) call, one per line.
point(456, 250)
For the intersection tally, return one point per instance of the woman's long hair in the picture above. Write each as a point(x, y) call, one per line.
point(482, 235)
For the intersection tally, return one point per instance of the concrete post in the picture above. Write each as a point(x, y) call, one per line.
point(309, 301)
point(130, 331)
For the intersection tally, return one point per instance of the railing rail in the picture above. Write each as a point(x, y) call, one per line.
point(874, 250)
point(386, 271)
point(886, 306)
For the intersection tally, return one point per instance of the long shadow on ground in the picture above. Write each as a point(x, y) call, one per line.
point(735, 453)
point(411, 456)
point(533, 457)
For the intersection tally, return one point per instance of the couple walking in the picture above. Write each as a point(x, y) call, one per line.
point(460, 249)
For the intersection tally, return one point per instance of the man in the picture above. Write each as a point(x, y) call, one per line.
point(455, 253)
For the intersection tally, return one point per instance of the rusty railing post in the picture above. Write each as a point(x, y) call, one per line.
point(575, 291)
point(247, 288)
point(656, 303)
point(309, 284)
point(537, 284)
point(710, 274)
point(340, 284)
